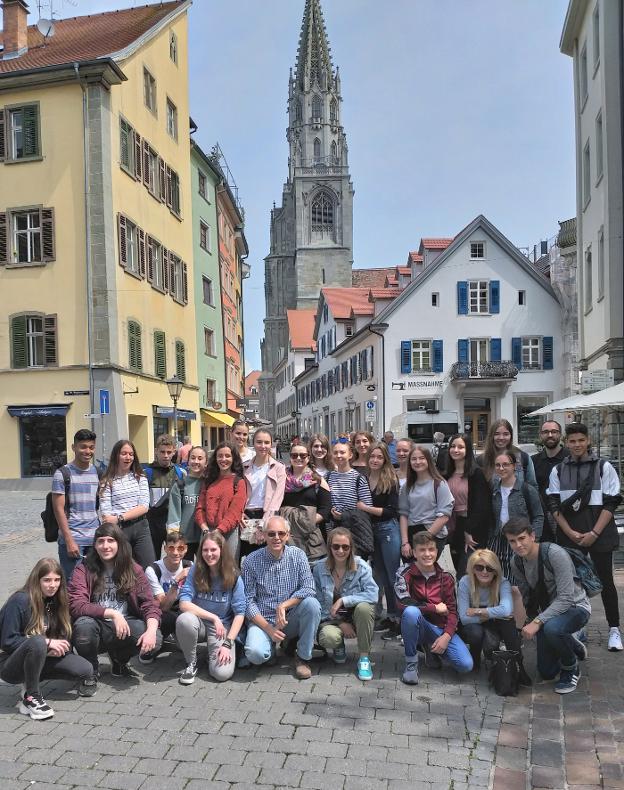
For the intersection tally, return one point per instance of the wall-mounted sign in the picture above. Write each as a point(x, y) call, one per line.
point(417, 384)
point(76, 392)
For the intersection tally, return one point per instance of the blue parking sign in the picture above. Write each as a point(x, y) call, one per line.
point(104, 402)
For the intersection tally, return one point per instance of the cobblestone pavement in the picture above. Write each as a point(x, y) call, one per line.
point(264, 729)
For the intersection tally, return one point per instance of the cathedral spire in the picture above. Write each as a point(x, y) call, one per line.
point(314, 62)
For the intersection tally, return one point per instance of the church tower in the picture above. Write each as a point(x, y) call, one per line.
point(312, 231)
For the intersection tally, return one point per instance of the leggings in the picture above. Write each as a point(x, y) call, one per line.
point(603, 562)
point(29, 664)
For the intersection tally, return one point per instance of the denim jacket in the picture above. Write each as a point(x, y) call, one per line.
point(358, 586)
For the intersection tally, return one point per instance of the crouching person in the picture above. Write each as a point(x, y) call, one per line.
point(112, 604)
point(212, 608)
point(348, 595)
point(426, 596)
point(166, 578)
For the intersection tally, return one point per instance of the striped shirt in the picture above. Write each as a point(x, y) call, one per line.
point(347, 489)
point(123, 494)
point(83, 518)
point(269, 581)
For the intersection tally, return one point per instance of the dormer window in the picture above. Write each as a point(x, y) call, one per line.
point(348, 330)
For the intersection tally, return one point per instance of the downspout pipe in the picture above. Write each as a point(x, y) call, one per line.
point(373, 328)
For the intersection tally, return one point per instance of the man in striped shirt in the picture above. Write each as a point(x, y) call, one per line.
point(281, 599)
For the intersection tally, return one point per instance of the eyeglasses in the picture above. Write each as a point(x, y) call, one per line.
point(298, 455)
point(484, 569)
point(280, 534)
point(502, 466)
point(340, 547)
point(554, 433)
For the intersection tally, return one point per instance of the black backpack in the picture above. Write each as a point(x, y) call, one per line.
point(505, 672)
point(48, 517)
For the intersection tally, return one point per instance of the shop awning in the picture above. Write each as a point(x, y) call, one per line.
point(38, 411)
point(167, 411)
point(216, 418)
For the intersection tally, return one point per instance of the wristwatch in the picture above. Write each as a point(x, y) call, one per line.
point(537, 621)
point(227, 643)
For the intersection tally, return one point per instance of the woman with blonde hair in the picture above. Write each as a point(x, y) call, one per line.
point(35, 639)
point(485, 608)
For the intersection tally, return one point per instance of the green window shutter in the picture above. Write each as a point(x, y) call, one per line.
point(47, 235)
point(2, 135)
point(31, 130)
point(150, 262)
point(134, 346)
point(123, 244)
point(50, 341)
point(184, 283)
point(160, 355)
point(125, 142)
point(146, 161)
point(4, 240)
point(19, 349)
point(180, 360)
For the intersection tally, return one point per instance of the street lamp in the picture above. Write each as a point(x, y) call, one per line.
point(174, 385)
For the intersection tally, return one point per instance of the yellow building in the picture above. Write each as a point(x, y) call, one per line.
point(95, 232)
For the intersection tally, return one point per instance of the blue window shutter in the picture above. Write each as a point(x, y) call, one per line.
point(494, 296)
point(438, 356)
point(516, 352)
point(462, 298)
point(547, 353)
point(496, 350)
point(406, 356)
point(462, 350)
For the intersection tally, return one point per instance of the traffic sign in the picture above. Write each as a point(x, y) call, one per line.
point(104, 402)
point(370, 405)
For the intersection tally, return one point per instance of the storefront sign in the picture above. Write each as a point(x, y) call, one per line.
point(418, 384)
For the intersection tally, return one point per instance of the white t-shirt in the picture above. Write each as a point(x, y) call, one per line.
point(504, 514)
point(166, 577)
point(257, 476)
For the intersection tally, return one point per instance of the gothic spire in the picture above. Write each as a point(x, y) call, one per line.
point(313, 55)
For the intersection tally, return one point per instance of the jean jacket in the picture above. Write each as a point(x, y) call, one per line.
point(358, 586)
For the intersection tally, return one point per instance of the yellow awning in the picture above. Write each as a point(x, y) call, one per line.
point(216, 418)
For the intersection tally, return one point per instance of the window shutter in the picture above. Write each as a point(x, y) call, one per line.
point(134, 346)
point(124, 143)
point(31, 130)
point(19, 349)
point(168, 185)
point(2, 135)
point(50, 341)
point(496, 349)
point(165, 269)
point(162, 177)
point(150, 262)
point(4, 241)
point(547, 353)
point(160, 354)
point(146, 167)
point(516, 352)
point(173, 262)
point(406, 356)
point(494, 296)
point(462, 298)
point(180, 361)
point(138, 156)
point(184, 283)
point(462, 350)
point(47, 234)
point(141, 235)
point(372, 362)
point(123, 245)
point(437, 347)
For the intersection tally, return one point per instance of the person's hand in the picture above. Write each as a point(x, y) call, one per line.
point(348, 631)
point(58, 647)
point(406, 551)
point(587, 540)
point(147, 641)
point(576, 536)
point(362, 506)
point(181, 576)
point(441, 608)
point(280, 616)
point(219, 628)
point(335, 607)
point(224, 656)
point(336, 514)
point(440, 644)
point(72, 548)
point(530, 629)
point(472, 612)
point(276, 635)
point(110, 519)
point(469, 542)
point(122, 629)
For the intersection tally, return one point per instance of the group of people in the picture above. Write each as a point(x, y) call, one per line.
point(260, 554)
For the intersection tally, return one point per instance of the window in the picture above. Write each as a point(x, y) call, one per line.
point(333, 111)
point(172, 190)
point(531, 353)
point(131, 247)
point(435, 299)
point(601, 263)
point(477, 250)
point(126, 147)
point(596, 35)
point(208, 291)
point(478, 292)
point(135, 353)
point(211, 391)
point(178, 279)
point(155, 264)
point(180, 360)
point(348, 330)
point(334, 153)
point(297, 111)
point(599, 147)
point(317, 150)
point(317, 108)
point(20, 137)
point(172, 120)
point(522, 298)
point(160, 355)
point(202, 188)
point(209, 342)
point(587, 280)
point(204, 236)
point(586, 175)
point(149, 91)
point(583, 76)
point(478, 349)
point(322, 210)
point(173, 47)
point(33, 341)
point(27, 236)
point(428, 404)
point(421, 355)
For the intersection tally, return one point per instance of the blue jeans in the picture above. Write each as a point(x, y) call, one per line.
point(386, 560)
point(69, 563)
point(303, 622)
point(417, 630)
point(554, 642)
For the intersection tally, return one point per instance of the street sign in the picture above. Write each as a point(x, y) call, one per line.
point(371, 411)
point(76, 392)
point(370, 405)
point(104, 402)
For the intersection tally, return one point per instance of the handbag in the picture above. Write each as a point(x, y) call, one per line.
point(505, 672)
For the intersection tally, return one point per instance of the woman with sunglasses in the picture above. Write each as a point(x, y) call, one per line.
point(485, 607)
point(499, 439)
point(306, 504)
point(348, 594)
point(403, 449)
point(349, 486)
point(320, 454)
point(362, 444)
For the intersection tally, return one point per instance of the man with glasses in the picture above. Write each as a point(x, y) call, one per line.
point(281, 599)
point(551, 454)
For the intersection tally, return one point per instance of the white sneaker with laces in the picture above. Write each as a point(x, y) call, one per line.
point(615, 640)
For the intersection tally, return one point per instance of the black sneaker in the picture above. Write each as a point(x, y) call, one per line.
point(188, 676)
point(147, 658)
point(35, 706)
point(568, 680)
point(87, 687)
point(383, 625)
point(393, 631)
point(119, 670)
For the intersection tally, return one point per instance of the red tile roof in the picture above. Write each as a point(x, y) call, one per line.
point(384, 293)
point(371, 278)
point(435, 244)
point(414, 257)
point(404, 271)
point(89, 37)
point(301, 328)
point(251, 380)
point(346, 302)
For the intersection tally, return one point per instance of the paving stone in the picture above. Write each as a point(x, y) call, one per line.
point(120, 781)
point(547, 777)
point(314, 780)
point(508, 779)
point(237, 773)
point(582, 769)
point(546, 753)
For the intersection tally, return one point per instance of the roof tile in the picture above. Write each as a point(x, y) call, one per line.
point(345, 302)
point(436, 243)
point(371, 278)
point(301, 328)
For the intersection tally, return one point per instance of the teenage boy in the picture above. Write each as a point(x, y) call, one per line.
point(166, 578)
point(551, 454)
point(426, 596)
point(161, 475)
point(584, 492)
point(76, 513)
point(546, 578)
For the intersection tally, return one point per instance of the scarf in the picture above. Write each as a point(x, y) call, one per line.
point(293, 483)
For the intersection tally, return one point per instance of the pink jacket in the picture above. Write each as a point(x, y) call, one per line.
point(275, 484)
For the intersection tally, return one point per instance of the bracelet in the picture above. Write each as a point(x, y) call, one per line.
point(594, 533)
point(227, 643)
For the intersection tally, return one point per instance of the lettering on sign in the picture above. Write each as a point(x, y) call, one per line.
point(426, 383)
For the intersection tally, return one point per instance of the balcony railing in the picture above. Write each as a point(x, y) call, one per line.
point(462, 371)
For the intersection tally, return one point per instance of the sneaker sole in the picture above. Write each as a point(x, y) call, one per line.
point(409, 682)
point(364, 677)
point(566, 690)
point(339, 660)
point(36, 715)
point(89, 691)
point(615, 649)
point(186, 681)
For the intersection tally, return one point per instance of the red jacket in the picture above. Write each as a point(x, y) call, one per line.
point(220, 506)
point(141, 601)
point(416, 590)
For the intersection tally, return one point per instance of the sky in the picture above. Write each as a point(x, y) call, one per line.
point(452, 108)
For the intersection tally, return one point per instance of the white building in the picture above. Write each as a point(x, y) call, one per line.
point(301, 354)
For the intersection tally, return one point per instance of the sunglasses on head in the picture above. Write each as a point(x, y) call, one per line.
point(276, 534)
point(341, 440)
point(484, 568)
point(298, 455)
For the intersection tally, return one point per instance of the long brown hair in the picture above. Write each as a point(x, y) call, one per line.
point(54, 610)
point(226, 570)
point(124, 575)
point(410, 478)
point(341, 532)
point(112, 470)
point(387, 476)
point(489, 450)
point(486, 557)
point(328, 461)
point(371, 442)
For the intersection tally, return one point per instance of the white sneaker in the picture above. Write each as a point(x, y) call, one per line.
point(615, 640)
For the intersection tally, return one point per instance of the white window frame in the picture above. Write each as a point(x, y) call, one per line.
point(132, 247)
point(587, 280)
point(601, 263)
point(149, 90)
point(173, 48)
point(435, 299)
point(35, 341)
point(205, 227)
point(208, 286)
point(422, 356)
point(599, 147)
point(172, 120)
point(596, 35)
point(583, 76)
point(586, 175)
point(475, 248)
point(209, 342)
point(532, 353)
point(482, 345)
point(31, 233)
point(476, 289)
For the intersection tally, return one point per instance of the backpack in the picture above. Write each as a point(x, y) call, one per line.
point(163, 502)
point(158, 570)
point(48, 517)
point(504, 675)
point(584, 569)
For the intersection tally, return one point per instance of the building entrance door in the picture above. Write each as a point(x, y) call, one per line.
point(477, 416)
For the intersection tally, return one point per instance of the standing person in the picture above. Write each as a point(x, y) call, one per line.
point(281, 599)
point(551, 454)
point(222, 499)
point(426, 596)
point(499, 440)
point(240, 436)
point(555, 599)
point(75, 502)
point(347, 593)
point(183, 500)
point(362, 443)
point(425, 502)
point(472, 518)
point(212, 604)
point(183, 452)
point(124, 500)
point(111, 602)
point(403, 450)
point(439, 451)
point(166, 578)
point(388, 439)
point(35, 635)
point(266, 479)
point(161, 475)
point(584, 492)
point(349, 486)
point(320, 454)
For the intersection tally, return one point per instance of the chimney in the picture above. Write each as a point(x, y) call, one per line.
point(15, 28)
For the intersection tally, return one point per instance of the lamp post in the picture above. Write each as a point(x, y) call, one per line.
point(174, 385)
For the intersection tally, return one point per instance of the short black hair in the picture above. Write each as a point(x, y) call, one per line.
point(174, 536)
point(576, 427)
point(84, 435)
point(516, 526)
